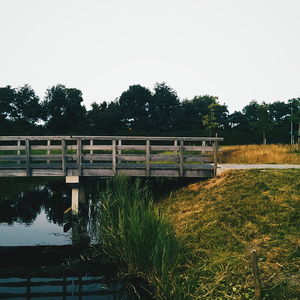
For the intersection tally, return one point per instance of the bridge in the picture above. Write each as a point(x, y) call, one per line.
point(75, 157)
point(107, 156)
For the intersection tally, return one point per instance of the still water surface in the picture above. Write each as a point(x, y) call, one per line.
point(32, 212)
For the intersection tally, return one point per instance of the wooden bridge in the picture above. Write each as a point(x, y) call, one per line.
point(108, 156)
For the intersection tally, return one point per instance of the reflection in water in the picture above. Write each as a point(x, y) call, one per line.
point(24, 201)
point(32, 211)
point(64, 287)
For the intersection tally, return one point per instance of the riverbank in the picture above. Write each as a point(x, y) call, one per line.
point(221, 220)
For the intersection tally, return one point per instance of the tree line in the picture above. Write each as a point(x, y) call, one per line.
point(140, 111)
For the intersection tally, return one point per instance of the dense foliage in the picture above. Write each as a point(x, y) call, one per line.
point(140, 111)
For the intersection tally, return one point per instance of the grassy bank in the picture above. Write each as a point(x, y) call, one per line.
point(196, 243)
point(260, 154)
point(222, 219)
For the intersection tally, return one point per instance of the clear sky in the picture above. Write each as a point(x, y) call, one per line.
point(238, 50)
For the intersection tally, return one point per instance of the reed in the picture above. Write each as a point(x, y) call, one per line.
point(137, 237)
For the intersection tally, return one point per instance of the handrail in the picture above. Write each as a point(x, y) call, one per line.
point(81, 154)
point(99, 137)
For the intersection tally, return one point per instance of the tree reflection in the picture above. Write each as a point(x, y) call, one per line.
point(22, 201)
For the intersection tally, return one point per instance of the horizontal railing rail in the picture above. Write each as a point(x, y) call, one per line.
point(87, 155)
point(45, 287)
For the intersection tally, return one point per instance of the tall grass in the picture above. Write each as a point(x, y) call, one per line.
point(259, 154)
point(136, 236)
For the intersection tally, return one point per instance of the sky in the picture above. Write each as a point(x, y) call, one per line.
point(237, 50)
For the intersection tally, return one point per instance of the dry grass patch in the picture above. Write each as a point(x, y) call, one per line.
point(259, 154)
point(223, 219)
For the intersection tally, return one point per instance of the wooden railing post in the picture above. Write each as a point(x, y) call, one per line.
point(181, 158)
point(27, 157)
point(63, 157)
point(91, 151)
point(79, 156)
point(120, 144)
point(114, 157)
point(215, 157)
point(175, 145)
point(203, 145)
point(18, 151)
point(148, 158)
point(48, 151)
point(28, 288)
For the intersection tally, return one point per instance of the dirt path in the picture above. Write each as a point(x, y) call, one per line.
point(224, 167)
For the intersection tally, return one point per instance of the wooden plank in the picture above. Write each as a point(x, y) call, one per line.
point(155, 138)
point(199, 148)
point(131, 157)
point(12, 148)
point(164, 148)
point(114, 156)
point(133, 172)
point(100, 157)
point(120, 144)
point(63, 157)
point(19, 151)
point(97, 172)
point(46, 172)
point(181, 158)
point(48, 150)
point(46, 158)
point(199, 173)
point(79, 154)
point(13, 173)
point(13, 158)
point(175, 145)
point(91, 150)
point(107, 138)
point(27, 145)
point(132, 147)
point(148, 158)
point(34, 138)
point(197, 158)
point(93, 147)
point(164, 173)
point(215, 158)
point(158, 157)
point(45, 147)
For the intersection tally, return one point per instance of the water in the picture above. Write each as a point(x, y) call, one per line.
point(31, 214)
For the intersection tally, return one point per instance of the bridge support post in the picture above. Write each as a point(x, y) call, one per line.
point(78, 192)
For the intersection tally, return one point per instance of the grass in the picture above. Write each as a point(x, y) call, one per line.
point(259, 154)
point(137, 238)
point(222, 219)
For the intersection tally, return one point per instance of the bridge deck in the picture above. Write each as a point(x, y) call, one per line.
point(108, 156)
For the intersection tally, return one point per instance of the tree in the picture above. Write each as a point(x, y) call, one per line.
point(164, 107)
point(104, 118)
point(134, 106)
point(210, 120)
point(25, 106)
point(258, 116)
point(294, 106)
point(7, 96)
point(63, 112)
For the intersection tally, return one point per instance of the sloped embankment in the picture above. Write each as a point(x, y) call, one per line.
point(222, 219)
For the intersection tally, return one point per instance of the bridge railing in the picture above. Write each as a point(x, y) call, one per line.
point(85, 155)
